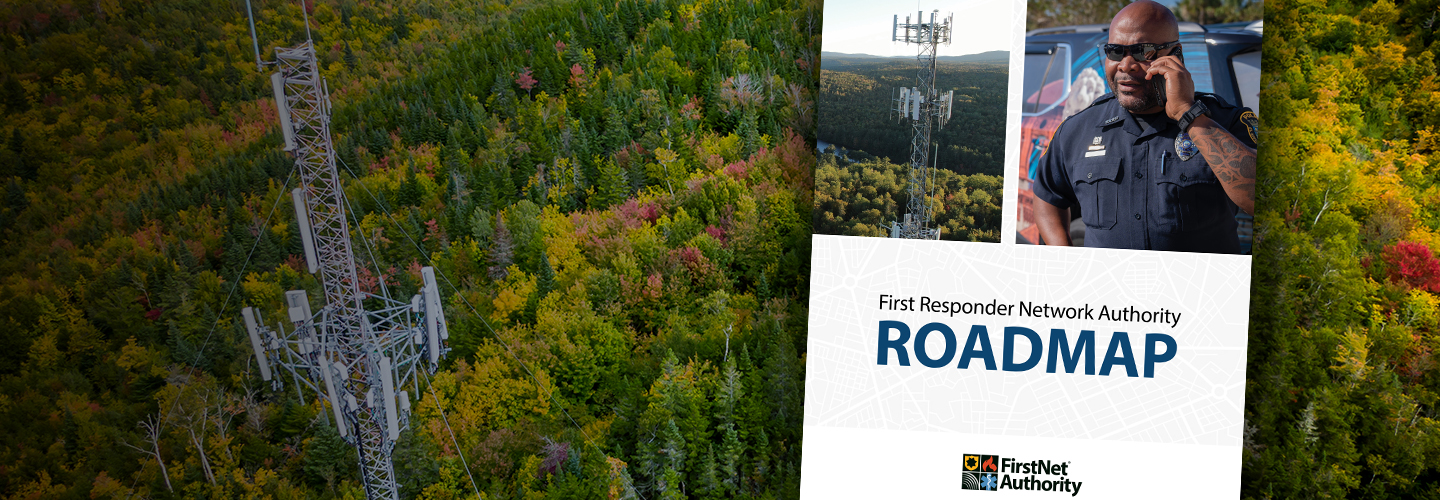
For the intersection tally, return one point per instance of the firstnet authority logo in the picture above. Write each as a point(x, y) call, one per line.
point(995, 473)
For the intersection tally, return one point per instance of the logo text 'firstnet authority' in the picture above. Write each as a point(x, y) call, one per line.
point(994, 473)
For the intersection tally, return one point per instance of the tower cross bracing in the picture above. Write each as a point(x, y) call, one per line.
point(926, 109)
point(360, 352)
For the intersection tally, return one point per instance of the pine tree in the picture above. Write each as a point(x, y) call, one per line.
point(670, 485)
point(732, 390)
point(708, 482)
point(617, 131)
point(25, 166)
point(482, 226)
point(15, 197)
point(729, 462)
point(505, 190)
point(350, 59)
point(613, 187)
point(674, 446)
point(327, 458)
point(409, 193)
point(760, 460)
point(750, 133)
point(14, 96)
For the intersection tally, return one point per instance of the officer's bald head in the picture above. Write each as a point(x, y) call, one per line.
point(1144, 19)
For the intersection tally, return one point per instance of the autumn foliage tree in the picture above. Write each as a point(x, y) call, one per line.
point(566, 165)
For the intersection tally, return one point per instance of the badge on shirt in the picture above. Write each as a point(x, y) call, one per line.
point(1252, 125)
point(1184, 147)
point(1095, 149)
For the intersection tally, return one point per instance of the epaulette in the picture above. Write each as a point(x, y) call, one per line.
point(1098, 100)
point(1103, 97)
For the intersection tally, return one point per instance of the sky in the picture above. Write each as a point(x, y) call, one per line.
point(864, 26)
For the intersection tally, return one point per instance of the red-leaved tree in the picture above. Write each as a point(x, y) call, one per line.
point(526, 81)
point(1413, 264)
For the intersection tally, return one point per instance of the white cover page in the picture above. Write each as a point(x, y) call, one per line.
point(983, 366)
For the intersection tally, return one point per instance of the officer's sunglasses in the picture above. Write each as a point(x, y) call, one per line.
point(1141, 51)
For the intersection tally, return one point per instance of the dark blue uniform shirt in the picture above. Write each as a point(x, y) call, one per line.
point(1133, 188)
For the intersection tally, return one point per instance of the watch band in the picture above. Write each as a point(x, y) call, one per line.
point(1195, 111)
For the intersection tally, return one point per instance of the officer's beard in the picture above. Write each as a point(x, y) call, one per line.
point(1146, 99)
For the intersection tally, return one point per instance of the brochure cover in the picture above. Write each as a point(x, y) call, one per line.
point(1108, 362)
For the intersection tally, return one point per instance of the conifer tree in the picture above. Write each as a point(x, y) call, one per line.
point(482, 225)
point(708, 482)
point(350, 60)
point(613, 187)
point(750, 133)
point(731, 450)
point(327, 458)
point(732, 390)
point(760, 460)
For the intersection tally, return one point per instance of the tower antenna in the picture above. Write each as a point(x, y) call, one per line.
point(360, 351)
point(926, 109)
point(305, 13)
point(254, 40)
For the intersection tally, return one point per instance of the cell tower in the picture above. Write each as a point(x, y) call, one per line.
point(358, 360)
point(927, 109)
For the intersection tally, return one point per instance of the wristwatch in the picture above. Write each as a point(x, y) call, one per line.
point(1189, 117)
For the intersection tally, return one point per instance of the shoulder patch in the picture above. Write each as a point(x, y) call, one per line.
point(1252, 125)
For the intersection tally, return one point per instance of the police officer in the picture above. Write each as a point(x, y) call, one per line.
point(1153, 164)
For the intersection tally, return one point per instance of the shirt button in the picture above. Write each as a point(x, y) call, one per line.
point(1139, 175)
point(1089, 175)
point(1137, 216)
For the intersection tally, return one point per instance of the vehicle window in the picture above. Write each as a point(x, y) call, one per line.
point(1046, 77)
point(1247, 77)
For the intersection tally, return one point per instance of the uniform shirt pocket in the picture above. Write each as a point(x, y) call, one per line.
point(1097, 190)
point(1192, 194)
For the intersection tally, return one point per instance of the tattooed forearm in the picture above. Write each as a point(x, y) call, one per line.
point(1232, 161)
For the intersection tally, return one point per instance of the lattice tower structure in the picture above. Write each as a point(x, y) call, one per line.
point(354, 359)
point(927, 109)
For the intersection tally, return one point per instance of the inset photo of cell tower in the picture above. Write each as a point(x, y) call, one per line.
point(912, 120)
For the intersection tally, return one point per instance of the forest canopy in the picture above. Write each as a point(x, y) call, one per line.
point(1342, 380)
point(619, 190)
point(855, 98)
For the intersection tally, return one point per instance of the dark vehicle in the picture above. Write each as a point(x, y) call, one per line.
point(1065, 71)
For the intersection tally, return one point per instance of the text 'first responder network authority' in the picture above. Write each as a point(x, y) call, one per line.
point(1030, 309)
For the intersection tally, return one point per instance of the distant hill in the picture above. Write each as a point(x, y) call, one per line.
point(829, 55)
point(856, 92)
point(994, 56)
point(1000, 56)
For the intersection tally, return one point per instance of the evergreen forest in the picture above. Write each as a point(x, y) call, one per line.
point(619, 190)
point(1342, 381)
point(856, 98)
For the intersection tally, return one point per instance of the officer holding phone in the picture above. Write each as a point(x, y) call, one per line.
point(1153, 164)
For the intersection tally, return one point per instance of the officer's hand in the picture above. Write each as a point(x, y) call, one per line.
point(1179, 85)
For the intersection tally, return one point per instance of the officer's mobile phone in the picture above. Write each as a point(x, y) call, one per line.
point(1180, 55)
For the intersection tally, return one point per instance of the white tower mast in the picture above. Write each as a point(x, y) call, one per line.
point(925, 107)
